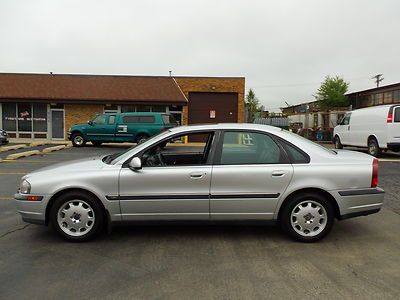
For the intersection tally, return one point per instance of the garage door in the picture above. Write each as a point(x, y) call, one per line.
point(213, 108)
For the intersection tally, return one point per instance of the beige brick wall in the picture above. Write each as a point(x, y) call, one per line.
point(213, 84)
point(80, 113)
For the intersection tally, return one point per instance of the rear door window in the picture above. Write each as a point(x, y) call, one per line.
point(241, 147)
point(146, 119)
point(397, 115)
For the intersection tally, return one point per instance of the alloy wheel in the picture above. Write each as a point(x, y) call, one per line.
point(308, 218)
point(76, 218)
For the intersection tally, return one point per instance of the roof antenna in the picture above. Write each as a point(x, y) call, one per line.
point(170, 73)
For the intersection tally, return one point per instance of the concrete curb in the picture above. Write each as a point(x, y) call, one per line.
point(23, 154)
point(13, 147)
point(35, 144)
point(54, 148)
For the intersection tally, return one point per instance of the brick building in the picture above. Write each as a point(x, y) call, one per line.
point(46, 105)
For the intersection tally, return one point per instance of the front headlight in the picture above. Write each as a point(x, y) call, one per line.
point(25, 187)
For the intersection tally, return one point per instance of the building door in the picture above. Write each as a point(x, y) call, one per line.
point(57, 124)
point(213, 108)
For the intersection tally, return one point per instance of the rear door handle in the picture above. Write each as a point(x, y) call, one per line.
point(197, 175)
point(278, 173)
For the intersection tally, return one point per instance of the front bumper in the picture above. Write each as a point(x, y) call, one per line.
point(359, 202)
point(32, 211)
point(69, 135)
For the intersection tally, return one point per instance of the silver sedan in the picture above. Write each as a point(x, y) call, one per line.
point(222, 172)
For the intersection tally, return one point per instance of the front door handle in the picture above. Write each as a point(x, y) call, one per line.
point(278, 173)
point(197, 175)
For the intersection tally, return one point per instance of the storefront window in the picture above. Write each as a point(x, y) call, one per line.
point(158, 108)
point(40, 117)
point(24, 117)
point(9, 117)
point(143, 108)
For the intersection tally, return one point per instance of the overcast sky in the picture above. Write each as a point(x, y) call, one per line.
point(284, 48)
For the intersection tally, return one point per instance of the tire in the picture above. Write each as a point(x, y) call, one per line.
point(78, 140)
point(338, 144)
point(298, 217)
point(77, 216)
point(97, 144)
point(373, 147)
point(141, 138)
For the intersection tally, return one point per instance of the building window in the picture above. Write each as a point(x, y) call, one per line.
point(143, 108)
point(40, 117)
point(9, 116)
point(388, 97)
point(159, 108)
point(396, 96)
point(24, 117)
point(379, 98)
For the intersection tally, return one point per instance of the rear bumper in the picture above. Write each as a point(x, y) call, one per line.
point(359, 202)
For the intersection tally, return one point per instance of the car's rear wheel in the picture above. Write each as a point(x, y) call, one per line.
point(141, 138)
point(77, 216)
point(78, 140)
point(307, 217)
point(373, 147)
point(338, 144)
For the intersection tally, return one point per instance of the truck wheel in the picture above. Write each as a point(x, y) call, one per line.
point(141, 138)
point(373, 147)
point(307, 217)
point(77, 217)
point(338, 144)
point(78, 140)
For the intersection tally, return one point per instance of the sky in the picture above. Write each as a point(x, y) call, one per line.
point(283, 48)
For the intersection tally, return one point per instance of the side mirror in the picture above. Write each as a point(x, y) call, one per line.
point(135, 163)
point(90, 123)
point(338, 121)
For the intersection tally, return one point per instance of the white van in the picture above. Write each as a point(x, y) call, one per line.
point(377, 128)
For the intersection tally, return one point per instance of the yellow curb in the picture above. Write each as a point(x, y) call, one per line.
point(23, 154)
point(13, 147)
point(54, 148)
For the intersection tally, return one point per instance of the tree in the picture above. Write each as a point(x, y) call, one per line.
point(253, 105)
point(332, 92)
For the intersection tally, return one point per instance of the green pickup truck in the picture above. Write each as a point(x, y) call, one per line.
point(120, 127)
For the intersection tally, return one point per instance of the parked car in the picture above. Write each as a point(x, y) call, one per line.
point(377, 128)
point(236, 172)
point(3, 137)
point(120, 127)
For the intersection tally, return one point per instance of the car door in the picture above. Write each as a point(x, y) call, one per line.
point(176, 191)
point(250, 174)
point(345, 130)
point(102, 128)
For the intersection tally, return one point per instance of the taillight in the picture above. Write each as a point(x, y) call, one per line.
point(389, 118)
point(375, 166)
point(164, 129)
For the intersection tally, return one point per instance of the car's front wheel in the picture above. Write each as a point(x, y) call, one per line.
point(77, 216)
point(307, 217)
point(78, 140)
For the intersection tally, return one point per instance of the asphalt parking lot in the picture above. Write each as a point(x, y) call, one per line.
point(359, 259)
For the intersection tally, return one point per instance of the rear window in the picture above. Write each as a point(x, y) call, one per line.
point(397, 114)
point(295, 154)
point(138, 119)
point(168, 119)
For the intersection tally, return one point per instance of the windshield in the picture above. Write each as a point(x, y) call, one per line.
point(112, 158)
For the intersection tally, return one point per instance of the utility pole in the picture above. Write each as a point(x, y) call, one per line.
point(378, 78)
